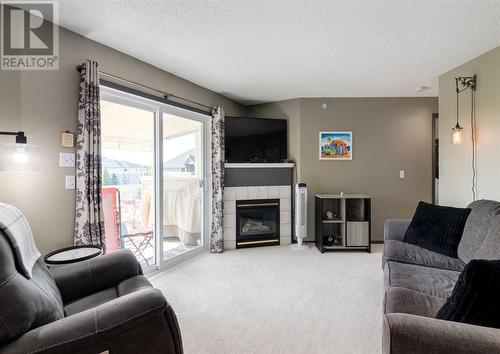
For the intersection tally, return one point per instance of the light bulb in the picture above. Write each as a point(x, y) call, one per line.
point(20, 157)
point(457, 135)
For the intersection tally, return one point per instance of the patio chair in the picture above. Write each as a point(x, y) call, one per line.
point(141, 239)
point(117, 234)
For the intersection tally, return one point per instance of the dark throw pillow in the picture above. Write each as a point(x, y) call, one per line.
point(474, 299)
point(437, 228)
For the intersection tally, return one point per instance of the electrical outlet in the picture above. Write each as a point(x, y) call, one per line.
point(66, 159)
point(401, 174)
point(70, 182)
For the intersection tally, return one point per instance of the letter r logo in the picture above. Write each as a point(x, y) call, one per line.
point(29, 35)
point(25, 28)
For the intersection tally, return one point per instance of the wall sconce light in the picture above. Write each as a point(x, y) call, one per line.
point(19, 156)
point(461, 84)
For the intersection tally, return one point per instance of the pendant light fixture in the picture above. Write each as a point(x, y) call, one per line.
point(462, 83)
point(457, 133)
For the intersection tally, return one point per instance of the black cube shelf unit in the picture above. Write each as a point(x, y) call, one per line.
point(343, 222)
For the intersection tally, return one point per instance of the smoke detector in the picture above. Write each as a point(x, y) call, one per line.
point(421, 88)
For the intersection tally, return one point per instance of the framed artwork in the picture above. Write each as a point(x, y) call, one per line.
point(335, 145)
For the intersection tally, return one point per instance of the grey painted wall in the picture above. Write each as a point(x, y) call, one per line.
point(455, 166)
point(44, 103)
point(389, 135)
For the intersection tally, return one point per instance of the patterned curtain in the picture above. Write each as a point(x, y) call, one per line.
point(217, 230)
point(89, 218)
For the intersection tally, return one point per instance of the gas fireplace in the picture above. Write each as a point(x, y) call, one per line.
point(257, 222)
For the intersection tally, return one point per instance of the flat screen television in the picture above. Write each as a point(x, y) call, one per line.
point(255, 140)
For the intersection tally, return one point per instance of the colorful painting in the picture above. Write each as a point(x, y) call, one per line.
point(335, 145)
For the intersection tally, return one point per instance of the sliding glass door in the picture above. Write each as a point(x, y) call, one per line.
point(183, 185)
point(128, 188)
point(154, 178)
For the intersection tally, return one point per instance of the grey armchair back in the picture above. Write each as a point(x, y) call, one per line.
point(103, 304)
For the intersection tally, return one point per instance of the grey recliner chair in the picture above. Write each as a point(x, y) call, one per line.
point(103, 304)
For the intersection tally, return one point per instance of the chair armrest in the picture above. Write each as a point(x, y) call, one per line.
point(110, 326)
point(404, 333)
point(85, 278)
point(395, 229)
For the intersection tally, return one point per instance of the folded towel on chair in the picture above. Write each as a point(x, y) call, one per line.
point(14, 225)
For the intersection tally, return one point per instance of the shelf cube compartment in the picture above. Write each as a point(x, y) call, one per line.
point(335, 206)
point(337, 234)
point(358, 233)
point(357, 209)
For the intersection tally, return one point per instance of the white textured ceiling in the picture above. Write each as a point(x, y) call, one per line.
point(258, 51)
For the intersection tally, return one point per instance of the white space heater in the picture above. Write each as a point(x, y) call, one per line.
point(300, 216)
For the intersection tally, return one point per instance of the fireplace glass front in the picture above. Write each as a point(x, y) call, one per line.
point(257, 222)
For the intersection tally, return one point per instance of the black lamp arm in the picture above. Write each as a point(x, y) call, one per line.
point(463, 83)
point(20, 137)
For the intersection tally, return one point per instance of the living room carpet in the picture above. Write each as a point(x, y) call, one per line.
point(277, 300)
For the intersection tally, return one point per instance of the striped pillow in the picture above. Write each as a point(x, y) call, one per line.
point(437, 228)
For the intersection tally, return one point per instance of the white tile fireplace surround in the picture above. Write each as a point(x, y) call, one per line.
point(232, 194)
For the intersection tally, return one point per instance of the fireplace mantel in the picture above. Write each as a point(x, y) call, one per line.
point(259, 165)
point(258, 174)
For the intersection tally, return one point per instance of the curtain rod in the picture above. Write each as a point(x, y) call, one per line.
point(166, 95)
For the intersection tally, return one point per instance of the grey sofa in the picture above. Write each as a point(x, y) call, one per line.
point(101, 305)
point(418, 282)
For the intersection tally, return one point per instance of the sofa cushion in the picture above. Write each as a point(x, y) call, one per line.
point(437, 228)
point(401, 300)
point(427, 280)
point(475, 297)
point(125, 287)
point(476, 228)
point(404, 252)
point(395, 229)
point(490, 249)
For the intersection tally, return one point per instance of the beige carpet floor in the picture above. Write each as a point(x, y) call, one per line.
point(276, 300)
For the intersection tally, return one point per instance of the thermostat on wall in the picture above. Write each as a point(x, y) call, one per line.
point(67, 139)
